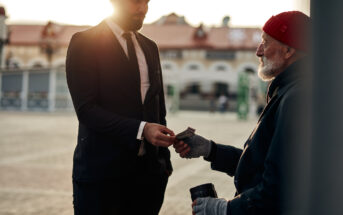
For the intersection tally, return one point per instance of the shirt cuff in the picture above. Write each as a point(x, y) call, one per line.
point(140, 130)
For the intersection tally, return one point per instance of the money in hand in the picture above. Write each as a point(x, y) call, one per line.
point(189, 132)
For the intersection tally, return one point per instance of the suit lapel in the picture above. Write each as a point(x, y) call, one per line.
point(151, 69)
point(112, 43)
point(109, 37)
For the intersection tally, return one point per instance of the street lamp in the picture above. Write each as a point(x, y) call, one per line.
point(3, 33)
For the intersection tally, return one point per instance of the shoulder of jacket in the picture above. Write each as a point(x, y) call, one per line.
point(294, 90)
point(88, 33)
point(146, 39)
point(294, 96)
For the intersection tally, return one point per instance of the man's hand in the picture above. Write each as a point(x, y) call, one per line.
point(157, 135)
point(182, 148)
point(193, 147)
point(209, 206)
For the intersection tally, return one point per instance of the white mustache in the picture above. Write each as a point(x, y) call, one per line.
point(262, 59)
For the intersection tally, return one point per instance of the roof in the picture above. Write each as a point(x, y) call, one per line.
point(168, 33)
point(32, 34)
point(182, 36)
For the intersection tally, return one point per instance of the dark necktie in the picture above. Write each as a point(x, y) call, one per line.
point(131, 51)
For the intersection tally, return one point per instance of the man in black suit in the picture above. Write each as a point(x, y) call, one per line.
point(121, 161)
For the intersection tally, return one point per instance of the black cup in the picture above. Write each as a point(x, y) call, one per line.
point(204, 190)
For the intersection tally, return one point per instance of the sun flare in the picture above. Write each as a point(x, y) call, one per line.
point(91, 12)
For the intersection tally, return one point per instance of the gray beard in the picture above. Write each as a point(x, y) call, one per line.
point(268, 71)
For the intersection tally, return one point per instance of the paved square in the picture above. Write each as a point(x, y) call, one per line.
point(36, 152)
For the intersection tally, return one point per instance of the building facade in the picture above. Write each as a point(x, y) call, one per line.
point(198, 63)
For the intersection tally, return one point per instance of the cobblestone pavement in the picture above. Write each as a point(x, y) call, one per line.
point(36, 161)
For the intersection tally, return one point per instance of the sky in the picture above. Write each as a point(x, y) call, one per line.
point(90, 12)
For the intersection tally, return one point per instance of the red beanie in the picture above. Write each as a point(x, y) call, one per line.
point(291, 28)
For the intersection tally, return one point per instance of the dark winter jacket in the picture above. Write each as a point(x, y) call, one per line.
point(262, 170)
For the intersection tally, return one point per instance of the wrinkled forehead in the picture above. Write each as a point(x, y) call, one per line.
point(265, 36)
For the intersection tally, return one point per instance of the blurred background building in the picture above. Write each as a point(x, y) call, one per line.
point(199, 65)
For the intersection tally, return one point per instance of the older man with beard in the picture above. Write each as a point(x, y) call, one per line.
point(262, 170)
point(121, 161)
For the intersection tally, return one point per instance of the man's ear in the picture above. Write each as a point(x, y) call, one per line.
point(289, 52)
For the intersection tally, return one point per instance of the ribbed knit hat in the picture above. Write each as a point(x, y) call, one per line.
point(291, 28)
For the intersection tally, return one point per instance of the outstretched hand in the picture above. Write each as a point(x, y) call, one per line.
point(182, 148)
point(158, 135)
point(193, 147)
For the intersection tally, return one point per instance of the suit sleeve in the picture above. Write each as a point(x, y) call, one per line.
point(83, 83)
point(164, 151)
point(268, 197)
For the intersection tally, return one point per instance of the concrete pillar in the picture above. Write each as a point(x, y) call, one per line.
point(3, 57)
point(24, 91)
point(52, 90)
point(0, 88)
point(327, 149)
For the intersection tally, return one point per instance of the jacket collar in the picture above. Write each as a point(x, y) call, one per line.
point(292, 73)
point(279, 86)
point(115, 28)
point(149, 56)
point(153, 73)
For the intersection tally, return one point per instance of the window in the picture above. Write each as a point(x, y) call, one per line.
point(167, 67)
point(225, 55)
point(37, 65)
point(221, 68)
point(193, 67)
point(171, 54)
point(193, 88)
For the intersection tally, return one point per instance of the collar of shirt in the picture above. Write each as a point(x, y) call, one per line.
point(143, 67)
point(118, 32)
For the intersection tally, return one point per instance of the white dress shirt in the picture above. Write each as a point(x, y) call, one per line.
point(143, 69)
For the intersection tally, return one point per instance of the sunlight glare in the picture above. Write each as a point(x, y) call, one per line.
point(90, 13)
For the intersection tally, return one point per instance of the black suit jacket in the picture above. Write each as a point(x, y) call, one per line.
point(107, 100)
